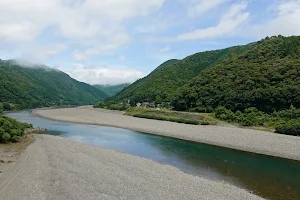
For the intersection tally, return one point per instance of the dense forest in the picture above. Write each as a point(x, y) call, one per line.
point(111, 90)
point(161, 84)
point(37, 86)
point(266, 77)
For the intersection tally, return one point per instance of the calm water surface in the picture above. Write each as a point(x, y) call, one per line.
point(272, 178)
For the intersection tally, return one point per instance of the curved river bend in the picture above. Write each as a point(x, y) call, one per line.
point(272, 178)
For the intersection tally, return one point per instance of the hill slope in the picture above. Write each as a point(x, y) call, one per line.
point(267, 77)
point(111, 90)
point(161, 84)
point(38, 86)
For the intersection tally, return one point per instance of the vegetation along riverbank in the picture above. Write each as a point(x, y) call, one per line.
point(254, 85)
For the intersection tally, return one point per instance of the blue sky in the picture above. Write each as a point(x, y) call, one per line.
point(117, 41)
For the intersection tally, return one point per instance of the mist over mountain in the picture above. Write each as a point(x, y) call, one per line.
point(32, 86)
point(112, 90)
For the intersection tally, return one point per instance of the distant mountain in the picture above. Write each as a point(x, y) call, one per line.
point(33, 86)
point(111, 90)
point(266, 77)
point(162, 84)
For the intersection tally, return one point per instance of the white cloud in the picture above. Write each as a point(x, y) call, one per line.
point(18, 32)
point(81, 19)
point(228, 24)
point(88, 23)
point(102, 47)
point(104, 75)
point(199, 7)
point(37, 53)
point(285, 21)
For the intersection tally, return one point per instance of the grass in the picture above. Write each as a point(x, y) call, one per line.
point(172, 116)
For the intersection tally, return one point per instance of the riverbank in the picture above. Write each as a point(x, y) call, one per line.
point(249, 140)
point(58, 168)
point(9, 153)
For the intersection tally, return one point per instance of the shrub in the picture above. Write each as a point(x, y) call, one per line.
point(250, 116)
point(16, 138)
point(5, 137)
point(1, 107)
point(2, 131)
point(111, 106)
point(118, 107)
point(225, 114)
point(291, 127)
point(99, 105)
point(291, 113)
point(11, 130)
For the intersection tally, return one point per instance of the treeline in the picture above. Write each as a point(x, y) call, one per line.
point(112, 106)
point(8, 107)
point(12, 130)
point(285, 121)
point(250, 83)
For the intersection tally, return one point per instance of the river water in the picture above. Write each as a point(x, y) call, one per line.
point(269, 177)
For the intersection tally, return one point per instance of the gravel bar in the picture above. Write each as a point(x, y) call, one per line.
point(249, 140)
point(55, 168)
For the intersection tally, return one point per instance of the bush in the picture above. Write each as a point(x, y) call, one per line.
point(250, 116)
point(5, 137)
point(1, 107)
point(118, 107)
point(225, 114)
point(111, 106)
point(291, 113)
point(99, 105)
point(16, 138)
point(2, 131)
point(291, 127)
point(11, 130)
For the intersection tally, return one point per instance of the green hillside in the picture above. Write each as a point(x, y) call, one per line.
point(38, 86)
point(162, 84)
point(111, 90)
point(266, 77)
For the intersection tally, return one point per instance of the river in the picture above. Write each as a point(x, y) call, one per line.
point(269, 177)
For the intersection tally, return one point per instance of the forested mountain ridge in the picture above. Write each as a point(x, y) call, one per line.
point(111, 90)
point(38, 86)
point(266, 77)
point(161, 84)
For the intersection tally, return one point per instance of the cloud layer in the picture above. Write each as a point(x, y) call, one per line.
point(134, 34)
point(113, 75)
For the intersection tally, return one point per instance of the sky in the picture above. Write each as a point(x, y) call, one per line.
point(120, 41)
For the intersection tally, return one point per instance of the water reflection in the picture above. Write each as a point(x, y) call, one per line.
point(269, 177)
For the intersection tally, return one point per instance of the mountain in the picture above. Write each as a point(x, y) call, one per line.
point(162, 84)
point(111, 90)
point(37, 85)
point(267, 77)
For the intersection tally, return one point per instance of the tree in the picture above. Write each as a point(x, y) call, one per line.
point(6, 106)
point(1, 107)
